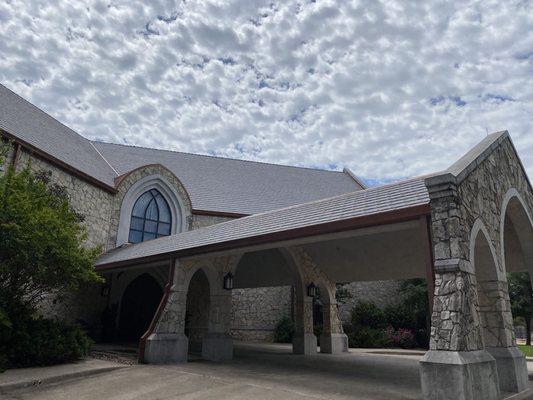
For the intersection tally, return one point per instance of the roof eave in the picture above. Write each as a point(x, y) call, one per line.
point(58, 163)
point(389, 217)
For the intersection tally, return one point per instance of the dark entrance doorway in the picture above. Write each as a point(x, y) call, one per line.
point(138, 306)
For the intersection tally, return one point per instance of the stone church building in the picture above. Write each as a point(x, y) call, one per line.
point(199, 250)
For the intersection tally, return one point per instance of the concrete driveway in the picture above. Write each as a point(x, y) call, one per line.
point(259, 372)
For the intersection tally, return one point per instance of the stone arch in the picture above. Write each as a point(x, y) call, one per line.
point(197, 309)
point(131, 185)
point(516, 234)
point(121, 280)
point(491, 287)
point(482, 246)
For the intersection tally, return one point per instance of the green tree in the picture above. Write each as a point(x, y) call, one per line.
point(42, 238)
point(521, 296)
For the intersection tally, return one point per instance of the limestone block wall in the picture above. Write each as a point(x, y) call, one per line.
point(381, 293)
point(257, 311)
point(93, 203)
point(201, 221)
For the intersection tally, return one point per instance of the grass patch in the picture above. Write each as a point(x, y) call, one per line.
point(527, 350)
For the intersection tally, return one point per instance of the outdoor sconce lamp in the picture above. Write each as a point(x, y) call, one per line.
point(228, 281)
point(106, 288)
point(311, 290)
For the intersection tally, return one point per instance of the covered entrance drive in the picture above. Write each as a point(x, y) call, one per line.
point(452, 228)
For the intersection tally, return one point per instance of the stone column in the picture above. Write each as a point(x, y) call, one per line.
point(498, 335)
point(332, 340)
point(304, 341)
point(456, 351)
point(456, 365)
point(217, 345)
point(168, 344)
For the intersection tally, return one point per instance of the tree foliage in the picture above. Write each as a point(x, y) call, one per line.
point(41, 241)
point(521, 296)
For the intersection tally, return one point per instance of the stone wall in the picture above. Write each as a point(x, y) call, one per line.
point(381, 293)
point(93, 203)
point(257, 311)
point(456, 324)
point(201, 221)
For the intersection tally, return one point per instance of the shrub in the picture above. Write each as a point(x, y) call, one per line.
point(368, 337)
point(317, 330)
point(35, 341)
point(367, 314)
point(284, 331)
point(399, 316)
point(42, 254)
point(403, 338)
point(401, 325)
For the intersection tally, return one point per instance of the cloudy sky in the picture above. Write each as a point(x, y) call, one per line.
point(389, 89)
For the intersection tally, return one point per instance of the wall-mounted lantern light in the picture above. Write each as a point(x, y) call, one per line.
point(106, 289)
point(228, 281)
point(311, 290)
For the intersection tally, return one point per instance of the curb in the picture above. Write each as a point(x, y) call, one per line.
point(8, 387)
point(525, 395)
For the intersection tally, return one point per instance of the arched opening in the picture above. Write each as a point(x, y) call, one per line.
point(266, 287)
point(197, 311)
point(491, 292)
point(517, 237)
point(517, 244)
point(138, 306)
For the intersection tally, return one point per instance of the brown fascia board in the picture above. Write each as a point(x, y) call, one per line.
point(218, 213)
point(458, 171)
point(58, 163)
point(402, 215)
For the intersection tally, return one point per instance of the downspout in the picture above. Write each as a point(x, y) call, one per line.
point(16, 156)
point(159, 311)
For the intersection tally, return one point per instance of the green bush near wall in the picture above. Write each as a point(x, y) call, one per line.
point(284, 331)
point(34, 341)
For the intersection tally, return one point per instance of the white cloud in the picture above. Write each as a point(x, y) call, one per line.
point(390, 89)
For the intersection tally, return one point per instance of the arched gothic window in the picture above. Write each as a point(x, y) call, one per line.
point(150, 217)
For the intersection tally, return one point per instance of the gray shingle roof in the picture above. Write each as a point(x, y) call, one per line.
point(28, 123)
point(363, 203)
point(236, 186)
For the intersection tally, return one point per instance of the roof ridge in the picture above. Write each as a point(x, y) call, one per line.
point(219, 157)
point(105, 159)
point(56, 120)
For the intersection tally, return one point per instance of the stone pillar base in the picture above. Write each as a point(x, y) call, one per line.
point(333, 343)
point(217, 347)
point(459, 375)
point(512, 368)
point(304, 344)
point(167, 348)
